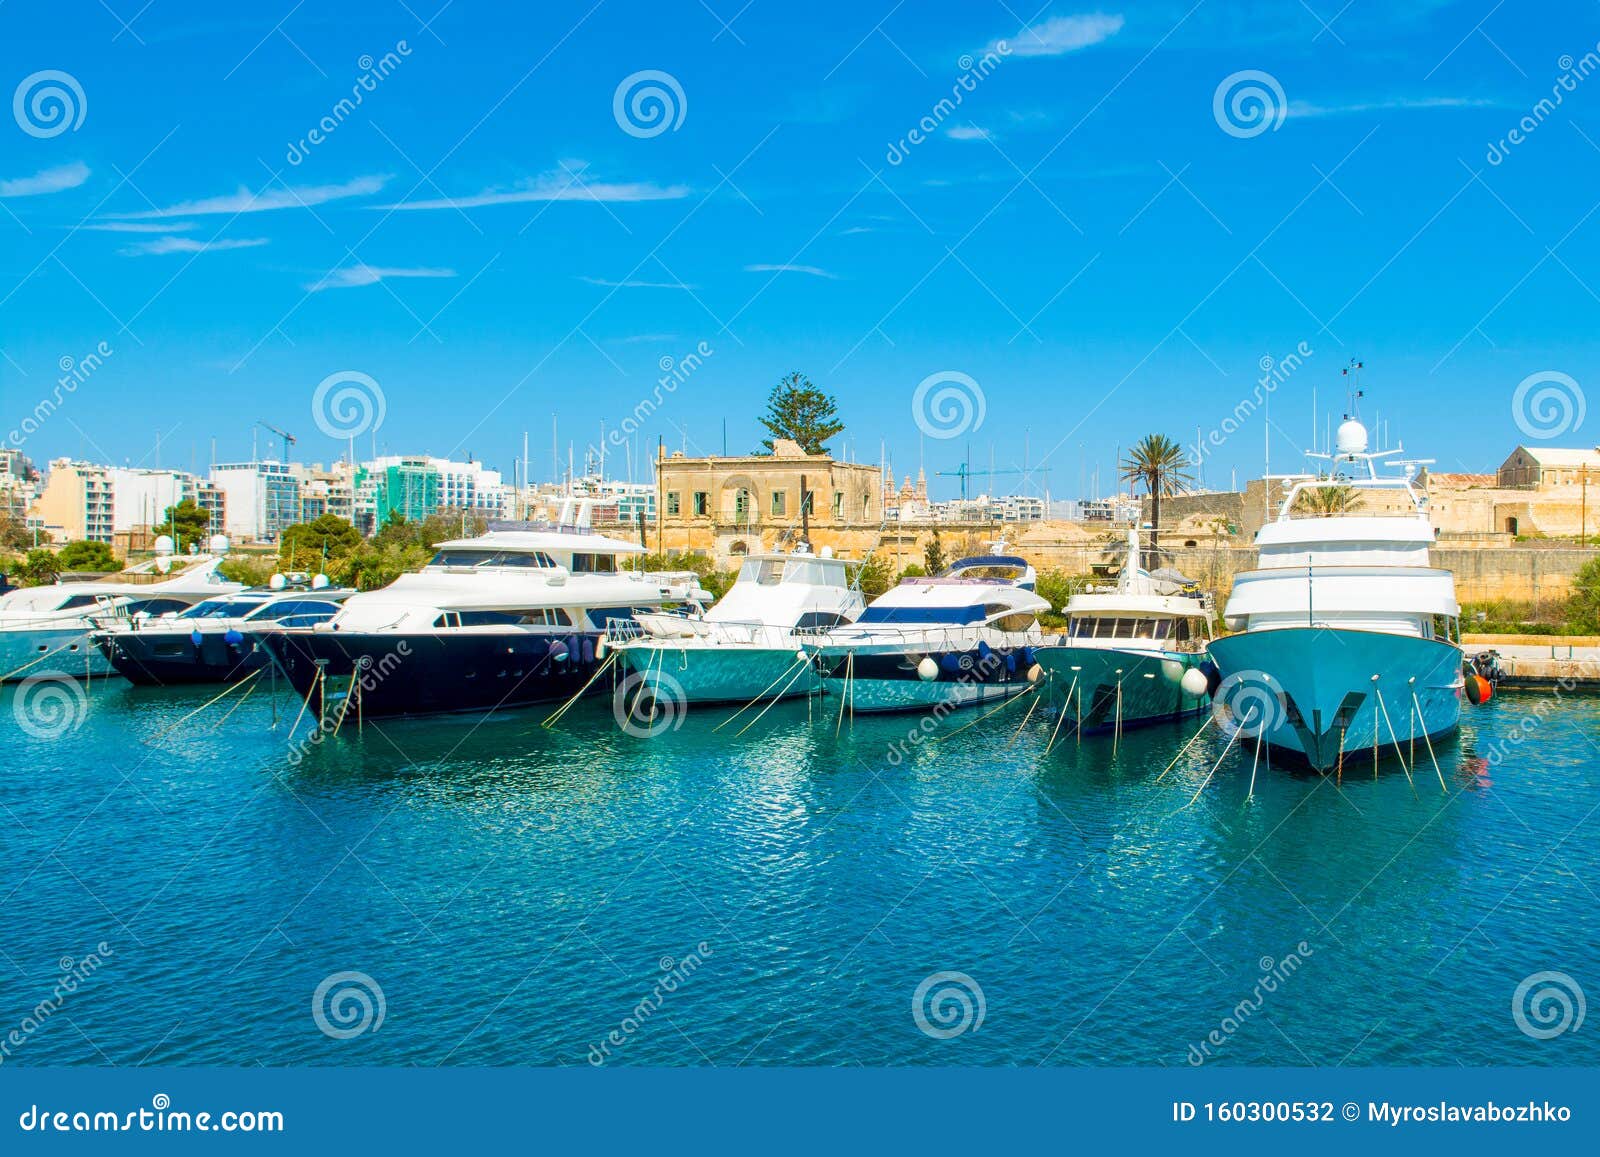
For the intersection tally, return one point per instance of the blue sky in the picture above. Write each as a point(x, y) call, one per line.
point(1082, 238)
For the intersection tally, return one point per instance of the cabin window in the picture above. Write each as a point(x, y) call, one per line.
point(821, 620)
point(1016, 621)
point(702, 503)
point(780, 502)
point(545, 617)
point(600, 617)
point(77, 601)
point(763, 571)
point(594, 564)
point(673, 500)
point(273, 612)
point(486, 619)
point(475, 558)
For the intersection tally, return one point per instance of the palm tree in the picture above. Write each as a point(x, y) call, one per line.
point(1327, 501)
point(1160, 465)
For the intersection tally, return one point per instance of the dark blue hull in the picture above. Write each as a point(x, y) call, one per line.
point(170, 660)
point(431, 674)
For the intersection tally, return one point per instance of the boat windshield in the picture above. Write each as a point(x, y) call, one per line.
point(1107, 627)
point(762, 571)
point(298, 608)
point(487, 558)
point(220, 609)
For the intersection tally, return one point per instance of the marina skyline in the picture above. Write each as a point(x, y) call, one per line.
point(327, 199)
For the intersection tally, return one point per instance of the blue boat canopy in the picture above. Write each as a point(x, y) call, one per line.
point(986, 560)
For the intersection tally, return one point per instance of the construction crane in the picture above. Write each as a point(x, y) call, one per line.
point(965, 472)
point(288, 438)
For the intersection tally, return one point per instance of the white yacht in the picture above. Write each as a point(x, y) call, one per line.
point(1348, 640)
point(503, 619)
point(746, 645)
point(46, 630)
point(965, 637)
point(1128, 649)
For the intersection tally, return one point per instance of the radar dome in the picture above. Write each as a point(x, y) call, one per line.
point(319, 582)
point(1351, 437)
point(277, 582)
point(217, 544)
point(164, 544)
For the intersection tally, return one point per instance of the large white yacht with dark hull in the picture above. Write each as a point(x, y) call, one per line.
point(1347, 643)
point(501, 620)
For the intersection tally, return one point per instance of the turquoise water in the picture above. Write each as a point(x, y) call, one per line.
point(516, 893)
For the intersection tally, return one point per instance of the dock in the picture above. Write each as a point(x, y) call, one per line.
point(1542, 662)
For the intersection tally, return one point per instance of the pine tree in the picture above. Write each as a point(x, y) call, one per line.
point(800, 412)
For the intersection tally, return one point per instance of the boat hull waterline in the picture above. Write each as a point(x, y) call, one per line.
point(706, 675)
point(432, 674)
point(1333, 712)
point(71, 654)
point(1084, 682)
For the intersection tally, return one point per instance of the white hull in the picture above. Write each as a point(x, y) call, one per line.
point(71, 652)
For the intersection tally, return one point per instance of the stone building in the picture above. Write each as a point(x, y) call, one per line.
point(726, 507)
point(1540, 467)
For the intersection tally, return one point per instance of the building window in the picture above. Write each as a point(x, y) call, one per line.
point(808, 502)
point(780, 502)
point(702, 504)
point(672, 502)
point(741, 505)
point(838, 505)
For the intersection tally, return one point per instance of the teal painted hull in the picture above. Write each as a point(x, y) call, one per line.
point(1113, 688)
point(1319, 703)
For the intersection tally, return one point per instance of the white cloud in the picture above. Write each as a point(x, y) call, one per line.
point(353, 276)
point(635, 284)
point(787, 268)
point(564, 184)
point(967, 133)
point(1301, 108)
point(140, 226)
point(1063, 34)
point(188, 245)
point(47, 181)
point(244, 201)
